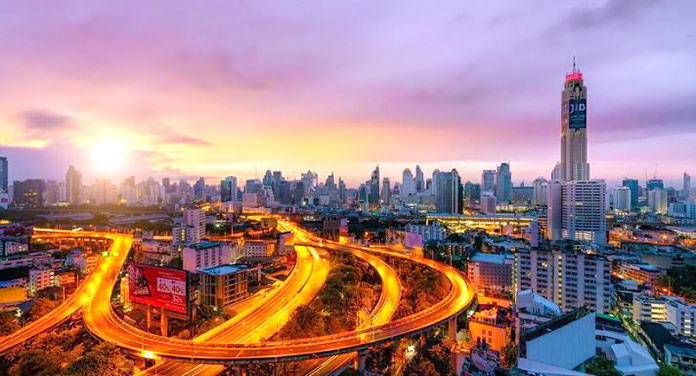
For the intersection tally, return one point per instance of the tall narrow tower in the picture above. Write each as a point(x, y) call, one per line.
point(574, 164)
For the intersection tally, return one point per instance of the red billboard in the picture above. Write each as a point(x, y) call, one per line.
point(158, 287)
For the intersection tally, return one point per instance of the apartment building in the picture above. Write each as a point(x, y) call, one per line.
point(569, 278)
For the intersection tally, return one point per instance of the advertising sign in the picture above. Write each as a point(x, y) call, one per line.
point(577, 113)
point(158, 287)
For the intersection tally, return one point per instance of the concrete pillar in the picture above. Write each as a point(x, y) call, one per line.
point(148, 316)
point(452, 329)
point(164, 323)
point(362, 356)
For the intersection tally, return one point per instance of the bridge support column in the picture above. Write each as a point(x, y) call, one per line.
point(452, 329)
point(148, 317)
point(362, 356)
point(164, 323)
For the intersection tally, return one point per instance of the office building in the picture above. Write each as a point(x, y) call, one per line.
point(448, 192)
point(29, 193)
point(223, 285)
point(503, 183)
point(584, 211)
point(206, 254)
point(642, 274)
point(633, 185)
point(654, 184)
point(491, 272)
point(648, 308)
point(420, 182)
point(554, 211)
point(621, 199)
point(386, 191)
point(199, 190)
point(541, 187)
point(433, 231)
point(191, 229)
point(73, 186)
point(574, 164)
point(472, 193)
point(4, 175)
point(261, 248)
point(568, 278)
point(228, 190)
point(102, 191)
point(488, 181)
point(408, 184)
point(488, 203)
point(682, 315)
point(373, 198)
point(657, 200)
point(686, 187)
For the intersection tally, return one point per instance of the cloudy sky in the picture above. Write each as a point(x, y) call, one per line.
point(202, 88)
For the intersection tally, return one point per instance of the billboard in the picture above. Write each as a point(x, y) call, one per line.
point(158, 287)
point(577, 113)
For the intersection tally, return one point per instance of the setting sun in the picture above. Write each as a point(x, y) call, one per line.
point(108, 155)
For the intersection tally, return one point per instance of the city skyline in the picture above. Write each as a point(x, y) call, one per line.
point(169, 100)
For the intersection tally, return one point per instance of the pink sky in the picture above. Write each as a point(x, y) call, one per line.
point(233, 87)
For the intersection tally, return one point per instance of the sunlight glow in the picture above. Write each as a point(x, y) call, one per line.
point(108, 155)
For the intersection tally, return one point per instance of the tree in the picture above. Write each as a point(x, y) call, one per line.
point(509, 355)
point(103, 360)
point(8, 323)
point(601, 366)
point(40, 308)
point(667, 370)
point(35, 363)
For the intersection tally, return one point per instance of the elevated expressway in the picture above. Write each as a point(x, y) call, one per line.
point(83, 293)
point(95, 295)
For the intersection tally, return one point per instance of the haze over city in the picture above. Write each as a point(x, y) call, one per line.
point(347, 188)
point(237, 88)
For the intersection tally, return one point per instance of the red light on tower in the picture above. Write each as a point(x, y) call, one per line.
point(575, 76)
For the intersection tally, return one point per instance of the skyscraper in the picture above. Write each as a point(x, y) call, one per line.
point(447, 192)
point(420, 183)
point(408, 185)
point(633, 185)
point(574, 164)
point(488, 180)
point(622, 199)
point(687, 180)
point(503, 183)
point(4, 176)
point(374, 187)
point(541, 186)
point(73, 186)
point(386, 191)
point(554, 211)
point(228, 189)
point(654, 184)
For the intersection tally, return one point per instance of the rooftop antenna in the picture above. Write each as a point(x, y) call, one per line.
point(574, 70)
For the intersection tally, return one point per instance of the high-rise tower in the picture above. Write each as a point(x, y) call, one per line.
point(574, 164)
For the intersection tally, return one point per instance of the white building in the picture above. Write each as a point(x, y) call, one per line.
point(584, 211)
point(191, 229)
point(533, 310)
point(541, 187)
point(682, 315)
point(488, 203)
point(570, 279)
point(622, 199)
point(206, 254)
point(434, 231)
point(657, 201)
point(40, 278)
point(647, 308)
point(259, 248)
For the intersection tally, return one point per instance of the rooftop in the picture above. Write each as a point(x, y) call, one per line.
point(203, 245)
point(223, 269)
point(490, 258)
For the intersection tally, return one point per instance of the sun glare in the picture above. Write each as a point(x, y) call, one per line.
point(108, 155)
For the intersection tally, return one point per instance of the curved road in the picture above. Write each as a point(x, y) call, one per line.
point(101, 320)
